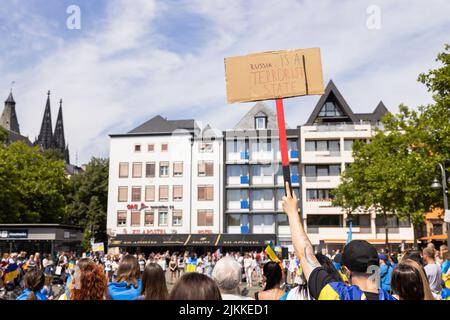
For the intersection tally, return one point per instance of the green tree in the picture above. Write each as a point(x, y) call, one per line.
point(32, 186)
point(88, 200)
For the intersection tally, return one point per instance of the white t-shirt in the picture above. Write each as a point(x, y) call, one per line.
point(247, 263)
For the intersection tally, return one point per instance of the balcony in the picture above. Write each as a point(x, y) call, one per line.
point(244, 180)
point(244, 204)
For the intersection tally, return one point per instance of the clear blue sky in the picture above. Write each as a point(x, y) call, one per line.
point(134, 59)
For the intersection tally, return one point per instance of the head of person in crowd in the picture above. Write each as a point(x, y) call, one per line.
point(154, 285)
point(428, 255)
point(383, 259)
point(328, 265)
point(394, 259)
point(272, 275)
point(359, 262)
point(413, 255)
point(409, 281)
point(128, 271)
point(195, 286)
point(442, 250)
point(337, 261)
point(89, 282)
point(227, 274)
point(33, 282)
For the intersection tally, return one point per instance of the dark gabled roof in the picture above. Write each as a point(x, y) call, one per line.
point(376, 116)
point(331, 89)
point(14, 137)
point(160, 125)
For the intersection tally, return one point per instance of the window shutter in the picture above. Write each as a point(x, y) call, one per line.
point(150, 193)
point(201, 193)
point(209, 169)
point(123, 170)
point(135, 218)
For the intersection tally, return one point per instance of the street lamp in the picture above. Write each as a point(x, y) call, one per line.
point(436, 185)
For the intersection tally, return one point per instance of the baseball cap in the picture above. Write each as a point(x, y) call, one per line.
point(358, 255)
point(382, 257)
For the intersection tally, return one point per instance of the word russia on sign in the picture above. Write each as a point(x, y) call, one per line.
point(274, 75)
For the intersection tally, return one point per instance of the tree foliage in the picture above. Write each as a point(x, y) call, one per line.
point(32, 187)
point(393, 173)
point(88, 199)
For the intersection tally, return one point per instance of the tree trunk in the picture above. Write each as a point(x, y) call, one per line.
point(415, 233)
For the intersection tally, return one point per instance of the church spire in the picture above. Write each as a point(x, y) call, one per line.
point(45, 138)
point(8, 119)
point(59, 141)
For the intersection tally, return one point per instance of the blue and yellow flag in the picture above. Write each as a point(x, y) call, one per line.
point(11, 272)
point(270, 251)
point(349, 238)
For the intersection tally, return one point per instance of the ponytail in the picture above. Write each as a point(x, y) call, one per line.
point(32, 296)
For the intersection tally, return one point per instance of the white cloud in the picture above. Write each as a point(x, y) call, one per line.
point(119, 73)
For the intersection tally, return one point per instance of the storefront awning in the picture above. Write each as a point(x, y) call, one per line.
point(191, 240)
point(437, 237)
point(245, 240)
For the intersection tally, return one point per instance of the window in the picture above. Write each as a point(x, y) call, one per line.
point(205, 218)
point(164, 169)
point(177, 193)
point(361, 220)
point(323, 145)
point(205, 147)
point(150, 170)
point(123, 170)
point(205, 193)
point(149, 193)
point(205, 168)
point(234, 220)
point(135, 218)
point(330, 109)
point(177, 218)
point(324, 220)
point(319, 195)
point(162, 218)
point(322, 171)
point(178, 169)
point(121, 218)
point(392, 221)
point(164, 147)
point(282, 219)
point(150, 147)
point(163, 193)
point(348, 145)
point(136, 194)
point(137, 148)
point(260, 123)
point(123, 194)
point(149, 219)
point(137, 170)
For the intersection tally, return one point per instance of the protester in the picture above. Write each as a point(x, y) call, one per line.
point(173, 266)
point(272, 275)
point(227, 275)
point(409, 281)
point(33, 282)
point(89, 281)
point(205, 288)
point(127, 285)
point(432, 270)
point(385, 272)
point(359, 259)
point(48, 265)
point(153, 283)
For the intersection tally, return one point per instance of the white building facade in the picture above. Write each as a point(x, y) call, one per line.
point(164, 179)
point(326, 149)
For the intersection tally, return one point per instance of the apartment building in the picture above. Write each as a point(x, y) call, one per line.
point(253, 176)
point(326, 148)
point(164, 184)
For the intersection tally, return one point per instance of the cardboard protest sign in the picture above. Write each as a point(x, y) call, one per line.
point(274, 75)
point(97, 247)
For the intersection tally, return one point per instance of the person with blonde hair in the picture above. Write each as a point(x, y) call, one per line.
point(409, 282)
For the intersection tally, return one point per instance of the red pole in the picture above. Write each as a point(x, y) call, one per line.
point(283, 143)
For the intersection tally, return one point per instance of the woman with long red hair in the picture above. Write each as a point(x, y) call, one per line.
point(89, 282)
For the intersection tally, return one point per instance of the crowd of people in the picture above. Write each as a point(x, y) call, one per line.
point(359, 272)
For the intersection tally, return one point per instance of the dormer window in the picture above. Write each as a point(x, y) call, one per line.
point(330, 109)
point(260, 123)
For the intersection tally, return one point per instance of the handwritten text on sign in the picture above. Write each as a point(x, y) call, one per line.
point(275, 74)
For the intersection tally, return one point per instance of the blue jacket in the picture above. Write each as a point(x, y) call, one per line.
point(119, 291)
point(26, 293)
point(385, 276)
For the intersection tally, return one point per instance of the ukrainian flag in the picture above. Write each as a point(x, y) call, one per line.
point(272, 255)
point(11, 272)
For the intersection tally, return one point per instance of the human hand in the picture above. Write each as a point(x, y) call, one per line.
point(290, 202)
